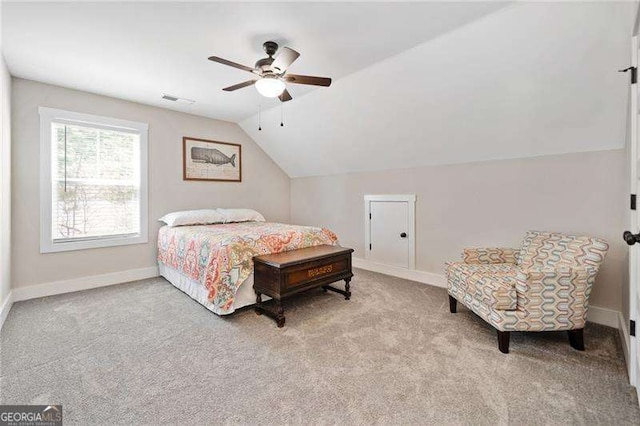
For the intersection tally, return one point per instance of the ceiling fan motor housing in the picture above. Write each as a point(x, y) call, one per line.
point(264, 64)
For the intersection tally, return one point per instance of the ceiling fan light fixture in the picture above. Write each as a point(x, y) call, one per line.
point(270, 87)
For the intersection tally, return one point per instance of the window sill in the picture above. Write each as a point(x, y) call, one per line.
point(52, 247)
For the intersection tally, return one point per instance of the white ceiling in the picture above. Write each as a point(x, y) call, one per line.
point(528, 80)
point(138, 51)
point(415, 84)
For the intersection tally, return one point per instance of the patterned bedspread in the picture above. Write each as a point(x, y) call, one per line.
point(221, 256)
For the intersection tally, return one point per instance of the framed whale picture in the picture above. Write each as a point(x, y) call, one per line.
point(211, 160)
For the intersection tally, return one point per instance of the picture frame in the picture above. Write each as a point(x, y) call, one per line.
point(208, 160)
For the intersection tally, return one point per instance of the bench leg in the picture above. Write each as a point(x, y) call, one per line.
point(258, 303)
point(279, 314)
point(503, 341)
point(276, 314)
point(453, 304)
point(346, 292)
point(576, 339)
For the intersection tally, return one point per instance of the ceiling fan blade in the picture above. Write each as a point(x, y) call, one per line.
point(285, 96)
point(239, 85)
point(284, 59)
point(231, 64)
point(308, 79)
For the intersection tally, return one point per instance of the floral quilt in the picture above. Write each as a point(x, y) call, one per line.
point(221, 256)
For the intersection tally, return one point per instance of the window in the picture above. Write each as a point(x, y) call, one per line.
point(93, 186)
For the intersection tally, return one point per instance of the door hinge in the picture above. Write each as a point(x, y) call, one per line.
point(369, 216)
point(633, 201)
point(632, 328)
point(369, 246)
point(634, 74)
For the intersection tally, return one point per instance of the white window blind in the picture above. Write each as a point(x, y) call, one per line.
point(97, 181)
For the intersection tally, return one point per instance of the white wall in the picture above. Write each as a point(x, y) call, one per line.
point(485, 204)
point(265, 186)
point(5, 178)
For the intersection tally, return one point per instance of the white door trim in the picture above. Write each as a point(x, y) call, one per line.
point(633, 222)
point(410, 199)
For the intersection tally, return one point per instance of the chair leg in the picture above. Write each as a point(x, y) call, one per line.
point(453, 304)
point(576, 339)
point(503, 341)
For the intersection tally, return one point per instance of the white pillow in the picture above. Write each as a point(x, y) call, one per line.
point(241, 215)
point(193, 217)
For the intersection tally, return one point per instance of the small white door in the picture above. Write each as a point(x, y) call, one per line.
point(389, 242)
point(390, 230)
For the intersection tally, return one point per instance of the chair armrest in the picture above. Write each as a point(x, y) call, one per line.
point(567, 286)
point(490, 255)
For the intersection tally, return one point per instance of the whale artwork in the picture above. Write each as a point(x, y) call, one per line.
point(211, 160)
point(213, 156)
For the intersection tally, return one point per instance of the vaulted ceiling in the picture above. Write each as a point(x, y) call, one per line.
point(528, 80)
point(414, 83)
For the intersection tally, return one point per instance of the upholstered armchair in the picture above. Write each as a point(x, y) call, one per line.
point(542, 286)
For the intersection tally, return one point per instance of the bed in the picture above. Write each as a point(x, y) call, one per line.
point(213, 263)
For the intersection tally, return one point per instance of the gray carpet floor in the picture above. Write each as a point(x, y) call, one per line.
point(144, 353)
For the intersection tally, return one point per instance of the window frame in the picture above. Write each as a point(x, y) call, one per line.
point(47, 117)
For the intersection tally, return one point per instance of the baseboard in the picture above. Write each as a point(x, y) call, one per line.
point(430, 278)
point(625, 339)
point(603, 316)
point(5, 308)
point(596, 314)
point(84, 283)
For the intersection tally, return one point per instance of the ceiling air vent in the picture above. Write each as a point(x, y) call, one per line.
point(177, 99)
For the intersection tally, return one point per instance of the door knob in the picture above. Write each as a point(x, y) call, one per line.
point(403, 235)
point(630, 238)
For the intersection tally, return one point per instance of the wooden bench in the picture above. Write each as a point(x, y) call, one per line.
point(283, 274)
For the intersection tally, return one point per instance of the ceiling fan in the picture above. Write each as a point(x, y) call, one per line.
point(272, 73)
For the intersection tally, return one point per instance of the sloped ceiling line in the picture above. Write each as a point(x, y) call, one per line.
point(529, 80)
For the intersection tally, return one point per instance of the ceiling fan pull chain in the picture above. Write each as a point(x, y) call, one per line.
point(259, 117)
point(282, 115)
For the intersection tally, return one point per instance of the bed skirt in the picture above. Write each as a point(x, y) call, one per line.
point(195, 290)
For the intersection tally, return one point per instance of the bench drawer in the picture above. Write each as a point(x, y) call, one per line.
point(319, 270)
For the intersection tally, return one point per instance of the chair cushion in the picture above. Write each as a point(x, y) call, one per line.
point(550, 250)
point(489, 284)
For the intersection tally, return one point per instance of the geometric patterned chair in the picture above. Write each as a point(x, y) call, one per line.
point(542, 286)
